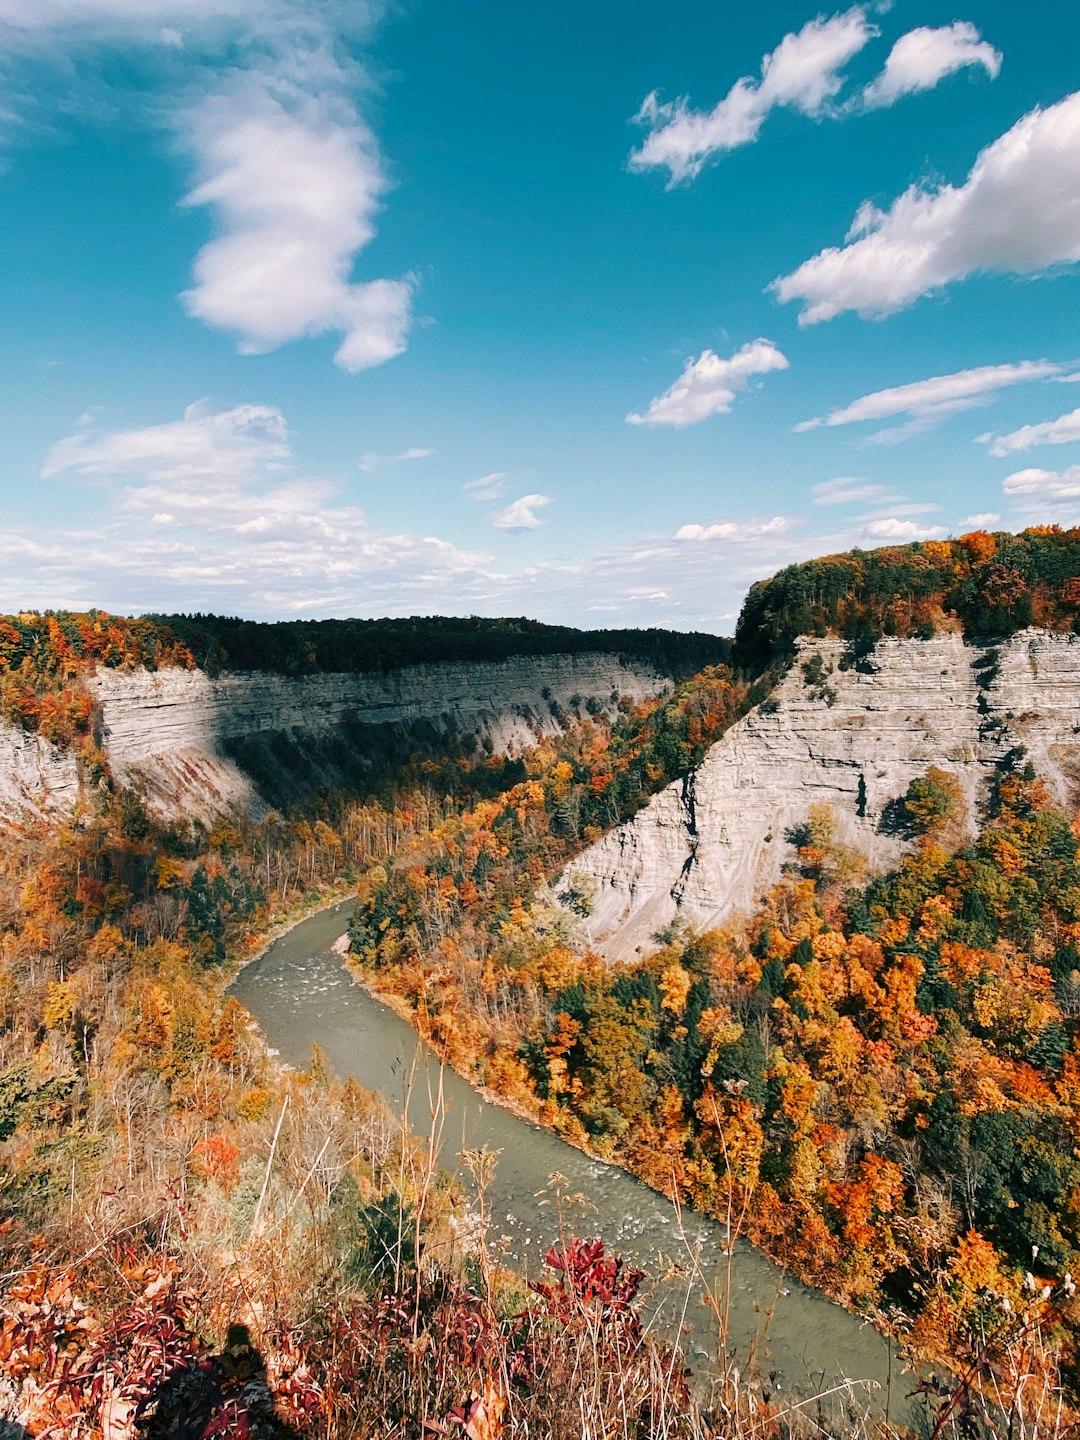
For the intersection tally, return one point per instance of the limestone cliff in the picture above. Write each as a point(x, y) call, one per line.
point(850, 730)
point(36, 779)
point(203, 745)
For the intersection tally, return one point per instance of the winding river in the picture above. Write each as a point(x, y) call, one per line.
point(301, 994)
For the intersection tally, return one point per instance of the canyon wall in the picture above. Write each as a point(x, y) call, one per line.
point(848, 729)
point(36, 779)
point(202, 745)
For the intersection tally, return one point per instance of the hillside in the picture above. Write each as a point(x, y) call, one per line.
point(847, 726)
point(208, 716)
point(871, 1071)
point(980, 585)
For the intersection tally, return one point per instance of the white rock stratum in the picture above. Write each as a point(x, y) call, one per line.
point(176, 733)
point(707, 847)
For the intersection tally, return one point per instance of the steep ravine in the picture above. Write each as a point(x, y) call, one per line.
point(855, 737)
point(202, 745)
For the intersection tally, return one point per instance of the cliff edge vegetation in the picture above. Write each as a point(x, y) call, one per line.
point(984, 584)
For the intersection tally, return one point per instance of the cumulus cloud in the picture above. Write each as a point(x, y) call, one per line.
point(1017, 212)
point(739, 530)
point(486, 487)
point(1061, 431)
point(283, 161)
point(980, 521)
point(927, 401)
point(709, 384)
point(295, 191)
point(1044, 484)
point(891, 527)
point(922, 58)
point(521, 514)
point(803, 73)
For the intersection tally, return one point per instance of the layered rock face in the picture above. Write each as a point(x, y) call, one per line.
point(36, 779)
point(202, 746)
point(855, 737)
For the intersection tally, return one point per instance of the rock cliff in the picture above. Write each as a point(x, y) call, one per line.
point(852, 730)
point(203, 745)
point(36, 779)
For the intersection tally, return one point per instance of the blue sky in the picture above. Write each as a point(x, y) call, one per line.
point(595, 313)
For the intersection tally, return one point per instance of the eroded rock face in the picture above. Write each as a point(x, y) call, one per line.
point(707, 847)
point(204, 746)
point(36, 779)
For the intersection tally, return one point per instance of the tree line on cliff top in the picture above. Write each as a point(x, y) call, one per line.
point(982, 584)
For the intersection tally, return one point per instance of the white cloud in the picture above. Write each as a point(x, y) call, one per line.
point(369, 462)
point(850, 490)
point(889, 527)
point(41, 15)
point(213, 512)
point(1018, 212)
point(1062, 431)
point(980, 521)
point(232, 444)
point(922, 58)
point(931, 400)
point(261, 96)
point(1044, 484)
point(486, 487)
point(709, 384)
point(803, 72)
point(737, 530)
point(295, 191)
point(521, 514)
point(209, 512)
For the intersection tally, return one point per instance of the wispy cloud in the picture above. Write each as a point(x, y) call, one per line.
point(210, 511)
point(213, 511)
point(1015, 213)
point(1062, 431)
point(234, 445)
point(923, 58)
point(521, 514)
point(928, 401)
point(709, 384)
point(370, 462)
point(486, 487)
point(802, 73)
point(851, 490)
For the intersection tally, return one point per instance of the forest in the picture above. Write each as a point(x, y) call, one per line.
point(982, 584)
point(876, 1078)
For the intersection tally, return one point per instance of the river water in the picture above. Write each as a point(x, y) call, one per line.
point(301, 994)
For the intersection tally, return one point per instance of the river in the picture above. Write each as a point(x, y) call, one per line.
point(301, 994)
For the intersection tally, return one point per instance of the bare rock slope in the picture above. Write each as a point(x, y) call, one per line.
point(851, 731)
point(202, 745)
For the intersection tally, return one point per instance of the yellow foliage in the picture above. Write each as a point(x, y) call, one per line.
point(59, 1005)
